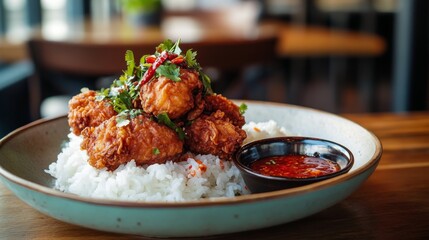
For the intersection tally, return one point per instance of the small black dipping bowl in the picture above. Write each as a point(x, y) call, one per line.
point(281, 146)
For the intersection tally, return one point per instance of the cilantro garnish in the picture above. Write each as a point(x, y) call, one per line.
point(190, 59)
point(165, 119)
point(170, 71)
point(242, 108)
point(125, 90)
point(121, 101)
point(165, 46)
point(169, 46)
point(206, 83)
point(102, 94)
point(129, 58)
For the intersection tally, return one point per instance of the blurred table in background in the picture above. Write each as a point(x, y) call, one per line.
point(294, 40)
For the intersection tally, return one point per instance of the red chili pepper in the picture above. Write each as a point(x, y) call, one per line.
point(178, 60)
point(151, 71)
point(172, 56)
point(150, 59)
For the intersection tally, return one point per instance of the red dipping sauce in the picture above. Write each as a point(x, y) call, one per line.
point(294, 166)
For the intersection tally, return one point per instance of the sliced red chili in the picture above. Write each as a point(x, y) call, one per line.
point(172, 56)
point(150, 59)
point(178, 60)
point(151, 71)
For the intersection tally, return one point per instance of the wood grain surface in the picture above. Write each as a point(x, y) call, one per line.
point(392, 204)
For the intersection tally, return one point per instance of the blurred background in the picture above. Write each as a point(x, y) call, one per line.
point(341, 56)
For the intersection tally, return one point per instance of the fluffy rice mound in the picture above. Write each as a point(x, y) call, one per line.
point(206, 176)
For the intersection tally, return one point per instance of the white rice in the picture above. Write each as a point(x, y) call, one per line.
point(169, 182)
point(256, 131)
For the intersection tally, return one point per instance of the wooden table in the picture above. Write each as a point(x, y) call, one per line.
point(392, 204)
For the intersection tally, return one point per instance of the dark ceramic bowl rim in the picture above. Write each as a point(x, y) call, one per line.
point(243, 167)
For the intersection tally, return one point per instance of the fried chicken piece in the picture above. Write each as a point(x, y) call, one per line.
point(214, 135)
point(232, 113)
point(86, 111)
point(163, 95)
point(142, 140)
point(198, 109)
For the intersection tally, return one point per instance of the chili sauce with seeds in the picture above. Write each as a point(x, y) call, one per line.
point(294, 166)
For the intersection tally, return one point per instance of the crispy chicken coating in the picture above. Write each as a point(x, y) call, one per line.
point(214, 135)
point(142, 140)
point(198, 109)
point(86, 111)
point(232, 112)
point(163, 95)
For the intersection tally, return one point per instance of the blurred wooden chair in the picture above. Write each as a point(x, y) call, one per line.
point(93, 60)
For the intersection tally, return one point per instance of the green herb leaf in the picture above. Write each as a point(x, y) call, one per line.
point(169, 46)
point(156, 151)
point(191, 60)
point(171, 71)
point(164, 46)
point(143, 67)
point(165, 119)
point(129, 58)
point(206, 83)
point(102, 94)
point(242, 108)
point(143, 59)
point(122, 101)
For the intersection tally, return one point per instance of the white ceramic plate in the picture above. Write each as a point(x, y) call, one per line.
point(25, 153)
